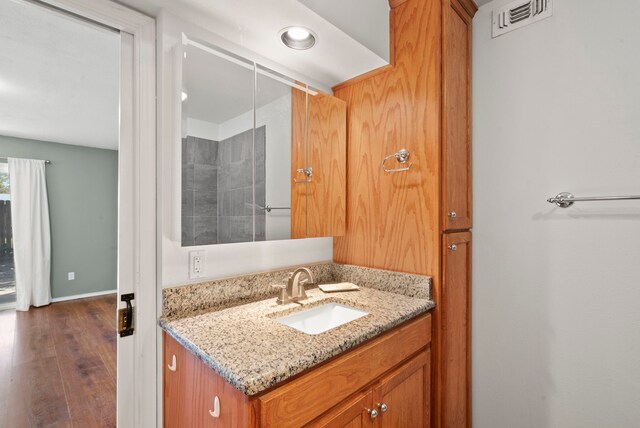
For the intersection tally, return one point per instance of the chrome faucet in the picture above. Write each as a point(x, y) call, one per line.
point(294, 290)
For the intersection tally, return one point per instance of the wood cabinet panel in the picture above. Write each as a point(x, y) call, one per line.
point(456, 147)
point(455, 307)
point(353, 414)
point(327, 155)
point(393, 218)
point(307, 397)
point(319, 141)
point(406, 393)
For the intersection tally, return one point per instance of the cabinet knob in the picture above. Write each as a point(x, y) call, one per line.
point(216, 408)
point(383, 407)
point(173, 365)
point(373, 413)
point(453, 247)
point(453, 214)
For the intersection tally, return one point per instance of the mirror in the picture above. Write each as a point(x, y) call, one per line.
point(263, 156)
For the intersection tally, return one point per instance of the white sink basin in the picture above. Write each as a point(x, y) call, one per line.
point(322, 318)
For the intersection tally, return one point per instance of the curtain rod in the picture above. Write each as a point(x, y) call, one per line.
point(6, 159)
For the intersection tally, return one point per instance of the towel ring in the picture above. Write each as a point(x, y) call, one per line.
point(402, 156)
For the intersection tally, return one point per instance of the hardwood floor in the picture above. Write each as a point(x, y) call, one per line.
point(58, 365)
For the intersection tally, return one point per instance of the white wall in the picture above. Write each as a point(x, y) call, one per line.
point(221, 260)
point(556, 292)
point(367, 21)
point(201, 129)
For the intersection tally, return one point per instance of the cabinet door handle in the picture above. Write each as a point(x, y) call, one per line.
point(383, 407)
point(453, 214)
point(373, 413)
point(216, 408)
point(453, 247)
point(173, 365)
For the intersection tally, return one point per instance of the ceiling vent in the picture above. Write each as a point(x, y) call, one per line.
point(520, 14)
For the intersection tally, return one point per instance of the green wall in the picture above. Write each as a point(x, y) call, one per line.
point(82, 185)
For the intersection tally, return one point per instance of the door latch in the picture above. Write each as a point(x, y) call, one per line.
point(125, 316)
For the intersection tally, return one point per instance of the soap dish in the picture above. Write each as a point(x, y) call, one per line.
point(343, 286)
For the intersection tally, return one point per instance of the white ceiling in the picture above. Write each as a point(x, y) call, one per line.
point(59, 77)
point(482, 2)
point(255, 24)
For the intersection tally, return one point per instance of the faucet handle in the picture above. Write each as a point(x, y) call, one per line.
point(282, 294)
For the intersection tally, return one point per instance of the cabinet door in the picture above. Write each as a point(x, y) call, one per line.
point(455, 307)
point(319, 142)
point(177, 392)
point(232, 408)
point(403, 399)
point(354, 414)
point(327, 155)
point(456, 149)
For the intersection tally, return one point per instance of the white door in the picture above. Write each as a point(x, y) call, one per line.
point(136, 359)
point(136, 363)
point(126, 234)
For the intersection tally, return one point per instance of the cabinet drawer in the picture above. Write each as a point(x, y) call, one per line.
point(305, 398)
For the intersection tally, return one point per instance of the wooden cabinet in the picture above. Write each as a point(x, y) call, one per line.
point(190, 389)
point(455, 310)
point(327, 155)
point(456, 115)
point(421, 102)
point(319, 142)
point(178, 374)
point(393, 369)
point(453, 362)
point(401, 399)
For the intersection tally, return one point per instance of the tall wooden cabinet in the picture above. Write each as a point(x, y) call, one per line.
point(453, 387)
point(407, 221)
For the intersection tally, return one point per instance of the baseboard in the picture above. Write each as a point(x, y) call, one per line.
point(7, 306)
point(83, 296)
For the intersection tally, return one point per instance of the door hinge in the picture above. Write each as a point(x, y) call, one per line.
point(125, 316)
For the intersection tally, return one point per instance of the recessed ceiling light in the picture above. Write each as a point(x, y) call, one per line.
point(298, 37)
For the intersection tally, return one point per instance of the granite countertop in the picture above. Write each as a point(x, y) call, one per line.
point(247, 346)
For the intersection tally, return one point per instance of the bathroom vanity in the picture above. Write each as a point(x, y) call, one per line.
point(237, 365)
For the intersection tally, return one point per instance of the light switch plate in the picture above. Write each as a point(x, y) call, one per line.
point(71, 276)
point(197, 264)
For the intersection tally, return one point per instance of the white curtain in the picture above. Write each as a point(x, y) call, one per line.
point(31, 232)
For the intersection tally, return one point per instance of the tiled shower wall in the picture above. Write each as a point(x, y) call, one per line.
point(199, 191)
point(217, 190)
point(235, 190)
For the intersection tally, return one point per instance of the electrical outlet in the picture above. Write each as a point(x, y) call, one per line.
point(197, 264)
point(71, 276)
